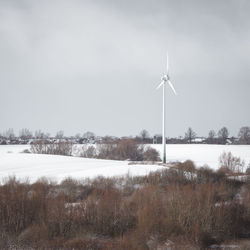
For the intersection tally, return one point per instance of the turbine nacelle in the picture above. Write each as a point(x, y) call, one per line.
point(165, 78)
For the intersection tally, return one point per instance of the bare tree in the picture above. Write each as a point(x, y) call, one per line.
point(244, 135)
point(211, 136)
point(43, 146)
point(190, 135)
point(78, 136)
point(25, 134)
point(223, 135)
point(89, 135)
point(144, 134)
point(151, 154)
point(9, 134)
point(230, 163)
point(129, 149)
point(41, 135)
point(59, 134)
point(88, 151)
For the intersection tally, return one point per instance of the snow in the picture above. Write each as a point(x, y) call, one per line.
point(34, 166)
point(202, 154)
point(55, 167)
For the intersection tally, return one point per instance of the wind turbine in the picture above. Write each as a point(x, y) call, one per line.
point(165, 79)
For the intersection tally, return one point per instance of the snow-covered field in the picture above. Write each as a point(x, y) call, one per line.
point(202, 154)
point(34, 166)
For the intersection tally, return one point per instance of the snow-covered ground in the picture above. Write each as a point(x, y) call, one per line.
point(34, 166)
point(202, 154)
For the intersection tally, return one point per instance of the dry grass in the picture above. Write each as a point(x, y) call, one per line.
point(162, 209)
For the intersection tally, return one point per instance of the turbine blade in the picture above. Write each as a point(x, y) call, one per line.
point(160, 85)
point(172, 87)
point(167, 63)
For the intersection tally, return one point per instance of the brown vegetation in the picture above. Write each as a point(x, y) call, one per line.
point(164, 208)
point(44, 146)
point(124, 149)
point(231, 164)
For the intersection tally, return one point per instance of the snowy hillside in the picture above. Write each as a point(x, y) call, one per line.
point(203, 154)
point(34, 166)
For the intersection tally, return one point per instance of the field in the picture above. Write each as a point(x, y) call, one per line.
point(202, 154)
point(34, 166)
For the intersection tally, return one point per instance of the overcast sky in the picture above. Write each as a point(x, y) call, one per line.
point(94, 65)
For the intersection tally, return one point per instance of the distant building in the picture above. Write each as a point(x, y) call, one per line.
point(199, 140)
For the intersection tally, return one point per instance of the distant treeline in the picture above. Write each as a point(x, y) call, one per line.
point(222, 136)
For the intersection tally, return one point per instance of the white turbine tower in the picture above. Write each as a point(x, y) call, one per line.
point(165, 79)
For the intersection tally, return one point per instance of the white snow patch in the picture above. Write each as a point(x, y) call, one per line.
point(202, 154)
point(55, 167)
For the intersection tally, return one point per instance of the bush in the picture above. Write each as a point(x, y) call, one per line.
point(83, 242)
point(34, 236)
point(125, 149)
point(206, 174)
point(106, 151)
point(128, 149)
point(54, 148)
point(151, 154)
point(230, 163)
point(88, 152)
point(103, 214)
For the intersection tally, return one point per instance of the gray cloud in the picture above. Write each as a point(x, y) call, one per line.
point(94, 65)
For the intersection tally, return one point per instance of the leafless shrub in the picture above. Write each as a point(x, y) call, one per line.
point(186, 169)
point(57, 148)
point(71, 187)
point(150, 212)
point(193, 212)
point(106, 151)
point(151, 154)
point(83, 242)
point(166, 176)
point(88, 151)
point(129, 149)
point(206, 175)
point(103, 183)
point(125, 149)
point(34, 236)
point(5, 241)
point(162, 206)
point(230, 163)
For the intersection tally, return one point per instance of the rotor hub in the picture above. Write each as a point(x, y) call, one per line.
point(165, 78)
